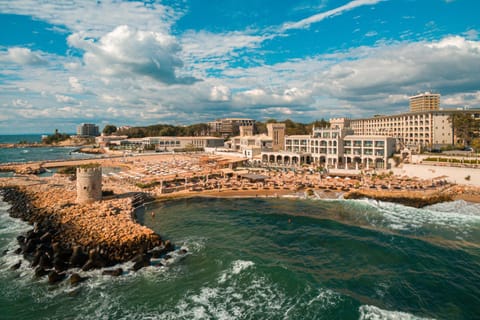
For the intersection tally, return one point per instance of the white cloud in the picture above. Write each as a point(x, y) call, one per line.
point(208, 50)
point(262, 97)
point(471, 34)
point(22, 56)
point(470, 99)
point(220, 93)
point(284, 111)
point(305, 23)
point(130, 52)
point(77, 15)
point(20, 103)
point(447, 65)
point(75, 85)
point(63, 99)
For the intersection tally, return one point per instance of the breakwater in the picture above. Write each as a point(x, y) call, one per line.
point(66, 235)
point(415, 199)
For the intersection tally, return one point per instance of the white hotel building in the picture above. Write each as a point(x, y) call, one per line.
point(335, 147)
point(426, 125)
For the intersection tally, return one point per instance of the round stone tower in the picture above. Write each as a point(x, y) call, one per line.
point(89, 184)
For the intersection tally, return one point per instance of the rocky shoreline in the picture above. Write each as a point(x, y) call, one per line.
point(67, 236)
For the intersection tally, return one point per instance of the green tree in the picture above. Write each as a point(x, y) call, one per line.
point(464, 126)
point(109, 129)
point(56, 138)
point(260, 127)
point(475, 144)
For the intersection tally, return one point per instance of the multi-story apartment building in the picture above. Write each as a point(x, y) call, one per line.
point(430, 129)
point(88, 129)
point(229, 126)
point(425, 102)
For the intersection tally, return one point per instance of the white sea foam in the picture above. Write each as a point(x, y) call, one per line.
point(237, 267)
point(368, 312)
point(236, 294)
point(10, 228)
point(457, 220)
point(327, 297)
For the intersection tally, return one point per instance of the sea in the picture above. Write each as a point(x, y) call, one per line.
point(274, 258)
point(27, 154)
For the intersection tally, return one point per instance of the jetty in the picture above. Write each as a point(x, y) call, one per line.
point(68, 233)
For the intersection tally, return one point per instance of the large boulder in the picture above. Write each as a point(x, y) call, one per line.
point(75, 279)
point(78, 258)
point(113, 272)
point(55, 277)
point(140, 261)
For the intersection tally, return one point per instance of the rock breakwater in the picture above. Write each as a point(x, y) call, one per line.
point(417, 199)
point(68, 235)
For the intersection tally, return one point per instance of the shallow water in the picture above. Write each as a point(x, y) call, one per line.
point(276, 259)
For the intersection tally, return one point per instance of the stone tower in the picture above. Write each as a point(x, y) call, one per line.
point(276, 131)
point(246, 131)
point(89, 184)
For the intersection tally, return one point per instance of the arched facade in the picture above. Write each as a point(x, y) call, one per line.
point(332, 148)
point(285, 158)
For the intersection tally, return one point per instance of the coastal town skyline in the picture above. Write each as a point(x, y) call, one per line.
point(141, 63)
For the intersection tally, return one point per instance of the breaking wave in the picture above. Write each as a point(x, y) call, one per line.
point(374, 313)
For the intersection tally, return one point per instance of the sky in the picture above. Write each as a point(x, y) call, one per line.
point(180, 62)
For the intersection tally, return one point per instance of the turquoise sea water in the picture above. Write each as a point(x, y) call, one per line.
point(11, 155)
point(275, 259)
point(16, 138)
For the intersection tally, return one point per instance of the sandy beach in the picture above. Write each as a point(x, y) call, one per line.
point(168, 176)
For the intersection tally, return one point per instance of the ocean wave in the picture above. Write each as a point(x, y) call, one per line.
point(456, 220)
point(236, 295)
point(10, 227)
point(368, 312)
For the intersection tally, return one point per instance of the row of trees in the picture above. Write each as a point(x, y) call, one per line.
point(199, 129)
point(292, 127)
point(202, 129)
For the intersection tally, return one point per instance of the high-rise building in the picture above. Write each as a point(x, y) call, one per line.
point(425, 102)
point(88, 129)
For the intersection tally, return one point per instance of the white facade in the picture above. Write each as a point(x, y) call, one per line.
point(172, 143)
point(335, 148)
point(414, 129)
point(88, 129)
